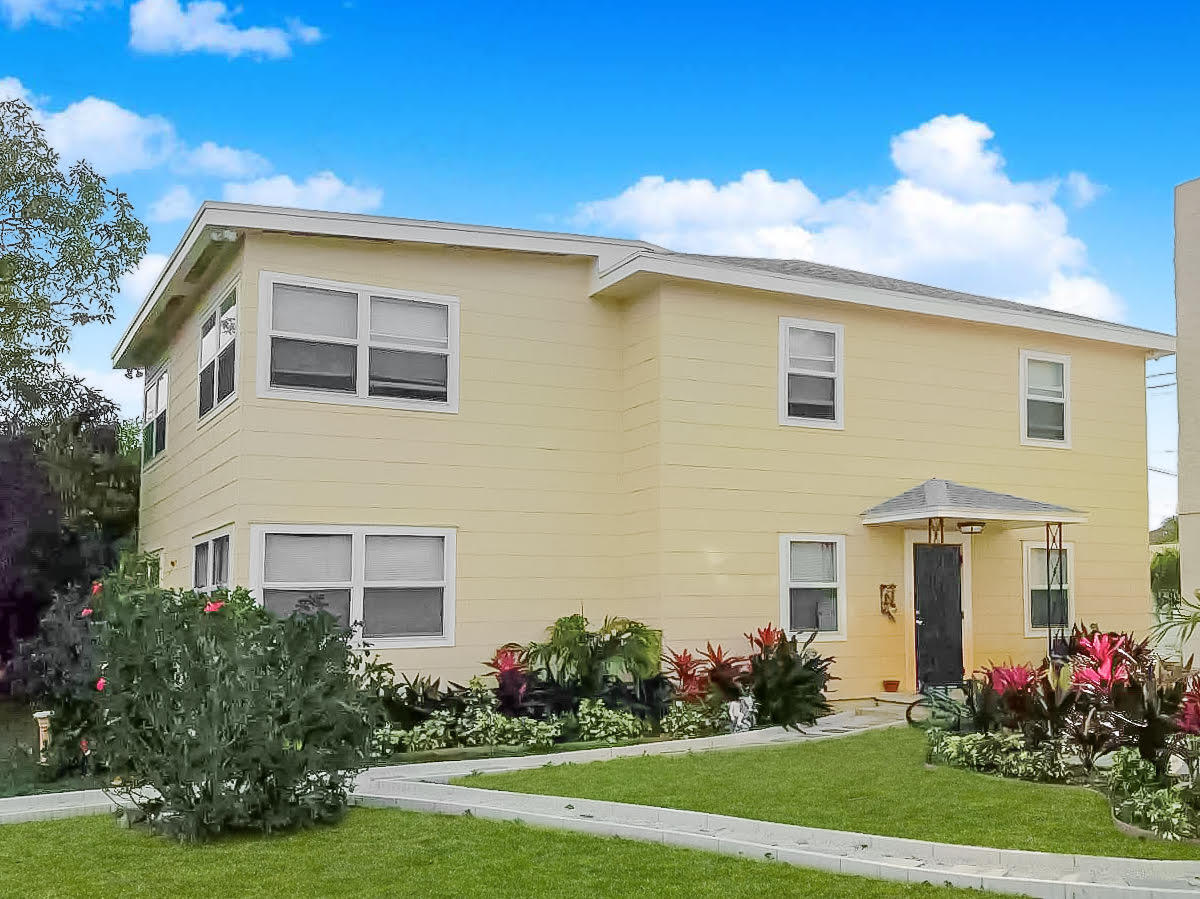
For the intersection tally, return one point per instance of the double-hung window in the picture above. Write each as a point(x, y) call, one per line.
point(395, 585)
point(810, 373)
point(1049, 600)
point(218, 354)
point(355, 344)
point(154, 421)
point(1045, 399)
point(210, 563)
point(812, 577)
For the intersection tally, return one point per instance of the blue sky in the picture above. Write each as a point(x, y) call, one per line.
point(1027, 150)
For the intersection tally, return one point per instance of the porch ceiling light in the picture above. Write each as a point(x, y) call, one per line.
point(970, 527)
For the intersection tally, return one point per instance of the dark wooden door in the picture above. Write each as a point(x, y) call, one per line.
point(937, 582)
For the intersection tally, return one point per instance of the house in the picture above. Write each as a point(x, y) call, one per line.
point(1187, 379)
point(455, 434)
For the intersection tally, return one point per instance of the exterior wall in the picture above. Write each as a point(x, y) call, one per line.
point(625, 457)
point(192, 488)
point(1187, 369)
point(526, 471)
point(925, 397)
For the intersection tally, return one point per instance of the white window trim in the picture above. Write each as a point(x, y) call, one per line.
point(266, 282)
point(839, 378)
point(230, 286)
point(1028, 356)
point(785, 583)
point(151, 375)
point(208, 537)
point(358, 538)
point(1027, 547)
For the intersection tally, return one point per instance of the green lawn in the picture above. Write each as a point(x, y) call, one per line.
point(875, 782)
point(385, 852)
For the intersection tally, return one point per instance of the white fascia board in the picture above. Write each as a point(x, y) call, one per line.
point(1069, 517)
point(1156, 344)
point(607, 251)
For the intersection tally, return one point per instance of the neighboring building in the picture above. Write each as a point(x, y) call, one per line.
point(456, 434)
point(1187, 391)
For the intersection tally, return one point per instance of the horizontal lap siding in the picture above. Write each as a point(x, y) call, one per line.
point(924, 398)
point(527, 470)
point(191, 488)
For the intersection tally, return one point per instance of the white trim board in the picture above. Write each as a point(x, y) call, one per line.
point(615, 261)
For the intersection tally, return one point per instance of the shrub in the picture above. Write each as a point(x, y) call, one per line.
point(685, 720)
point(435, 732)
point(1163, 811)
point(573, 655)
point(598, 722)
point(218, 715)
point(1130, 773)
point(788, 682)
point(726, 673)
point(483, 724)
point(687, 675)
point(1006, 754)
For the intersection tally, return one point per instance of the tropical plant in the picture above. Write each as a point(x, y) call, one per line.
point(788, 680)
point(1180, 621)
point(1165, 811)
point(596, 721)
point(574, 656)
point(764, 637)
point(687, 675)
point(1052, 699)
point(1092, 732)
point(1148, 703)
point(726, 673)
point(685, 720)
point(218, 715)
point(1164, 581)
point(511, 678)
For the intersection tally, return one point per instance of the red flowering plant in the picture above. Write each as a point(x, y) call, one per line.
point(687, 675)
point(726, 673)
point(1187, 740)
point(1012, 693)
point(1101, 660)
point(764, 638)
point(512, 679)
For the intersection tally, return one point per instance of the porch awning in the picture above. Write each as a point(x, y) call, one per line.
point(939, 498)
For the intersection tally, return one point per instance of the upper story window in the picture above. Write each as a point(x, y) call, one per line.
point(1045, 399)
point(813, 584)
point(810, 373)
point(154, 422)
point(337, 342)
point(1049, 599)
point(218, 354)
point(210, 563)
point(396, 585)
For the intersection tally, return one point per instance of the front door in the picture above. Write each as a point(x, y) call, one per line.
point(937, 584)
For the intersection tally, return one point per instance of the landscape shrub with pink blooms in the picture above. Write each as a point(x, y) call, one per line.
point(217, 715)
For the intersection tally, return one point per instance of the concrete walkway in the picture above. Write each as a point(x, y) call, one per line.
point(425, 787)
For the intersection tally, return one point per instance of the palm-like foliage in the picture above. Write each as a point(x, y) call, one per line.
point(788, 682)
point(573, 655)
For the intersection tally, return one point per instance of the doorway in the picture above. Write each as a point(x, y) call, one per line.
point(938, 609)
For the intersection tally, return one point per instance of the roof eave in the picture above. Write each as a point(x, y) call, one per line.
point(1154, 343)
point(1065, 516)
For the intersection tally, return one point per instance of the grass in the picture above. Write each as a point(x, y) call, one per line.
point(875, 782)
point(385, 852)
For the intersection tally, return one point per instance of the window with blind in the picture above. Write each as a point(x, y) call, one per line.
point(1048, 595)
point(211, 563)
point(154, 419)
point(218, 354)
point(1045, 399)
point(812, 581)
point(347, 343)
point(394, 585)
point(810, 373)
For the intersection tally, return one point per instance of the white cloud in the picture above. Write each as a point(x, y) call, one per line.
point(49, 12)
point(953, 217)
point(166, 26)
point(135, 285)
point(1082, 189)
point(177, 203)
point(226, 162)
point(324, 190)
point(113, 139)
point(125, 392)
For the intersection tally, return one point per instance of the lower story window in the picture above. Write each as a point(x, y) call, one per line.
point(1048, 599)
point(812, 584)
point(394, 585)
point(210, 563)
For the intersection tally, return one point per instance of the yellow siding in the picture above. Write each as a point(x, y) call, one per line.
point(625, 457)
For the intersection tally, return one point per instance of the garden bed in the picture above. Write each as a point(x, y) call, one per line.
point(873, 783)
point(386, 852)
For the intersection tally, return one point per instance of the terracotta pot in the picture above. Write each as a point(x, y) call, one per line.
point(891, 686)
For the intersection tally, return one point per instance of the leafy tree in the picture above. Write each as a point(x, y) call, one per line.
point(1164, 580)
point(66, 238)
point(1167, 532)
